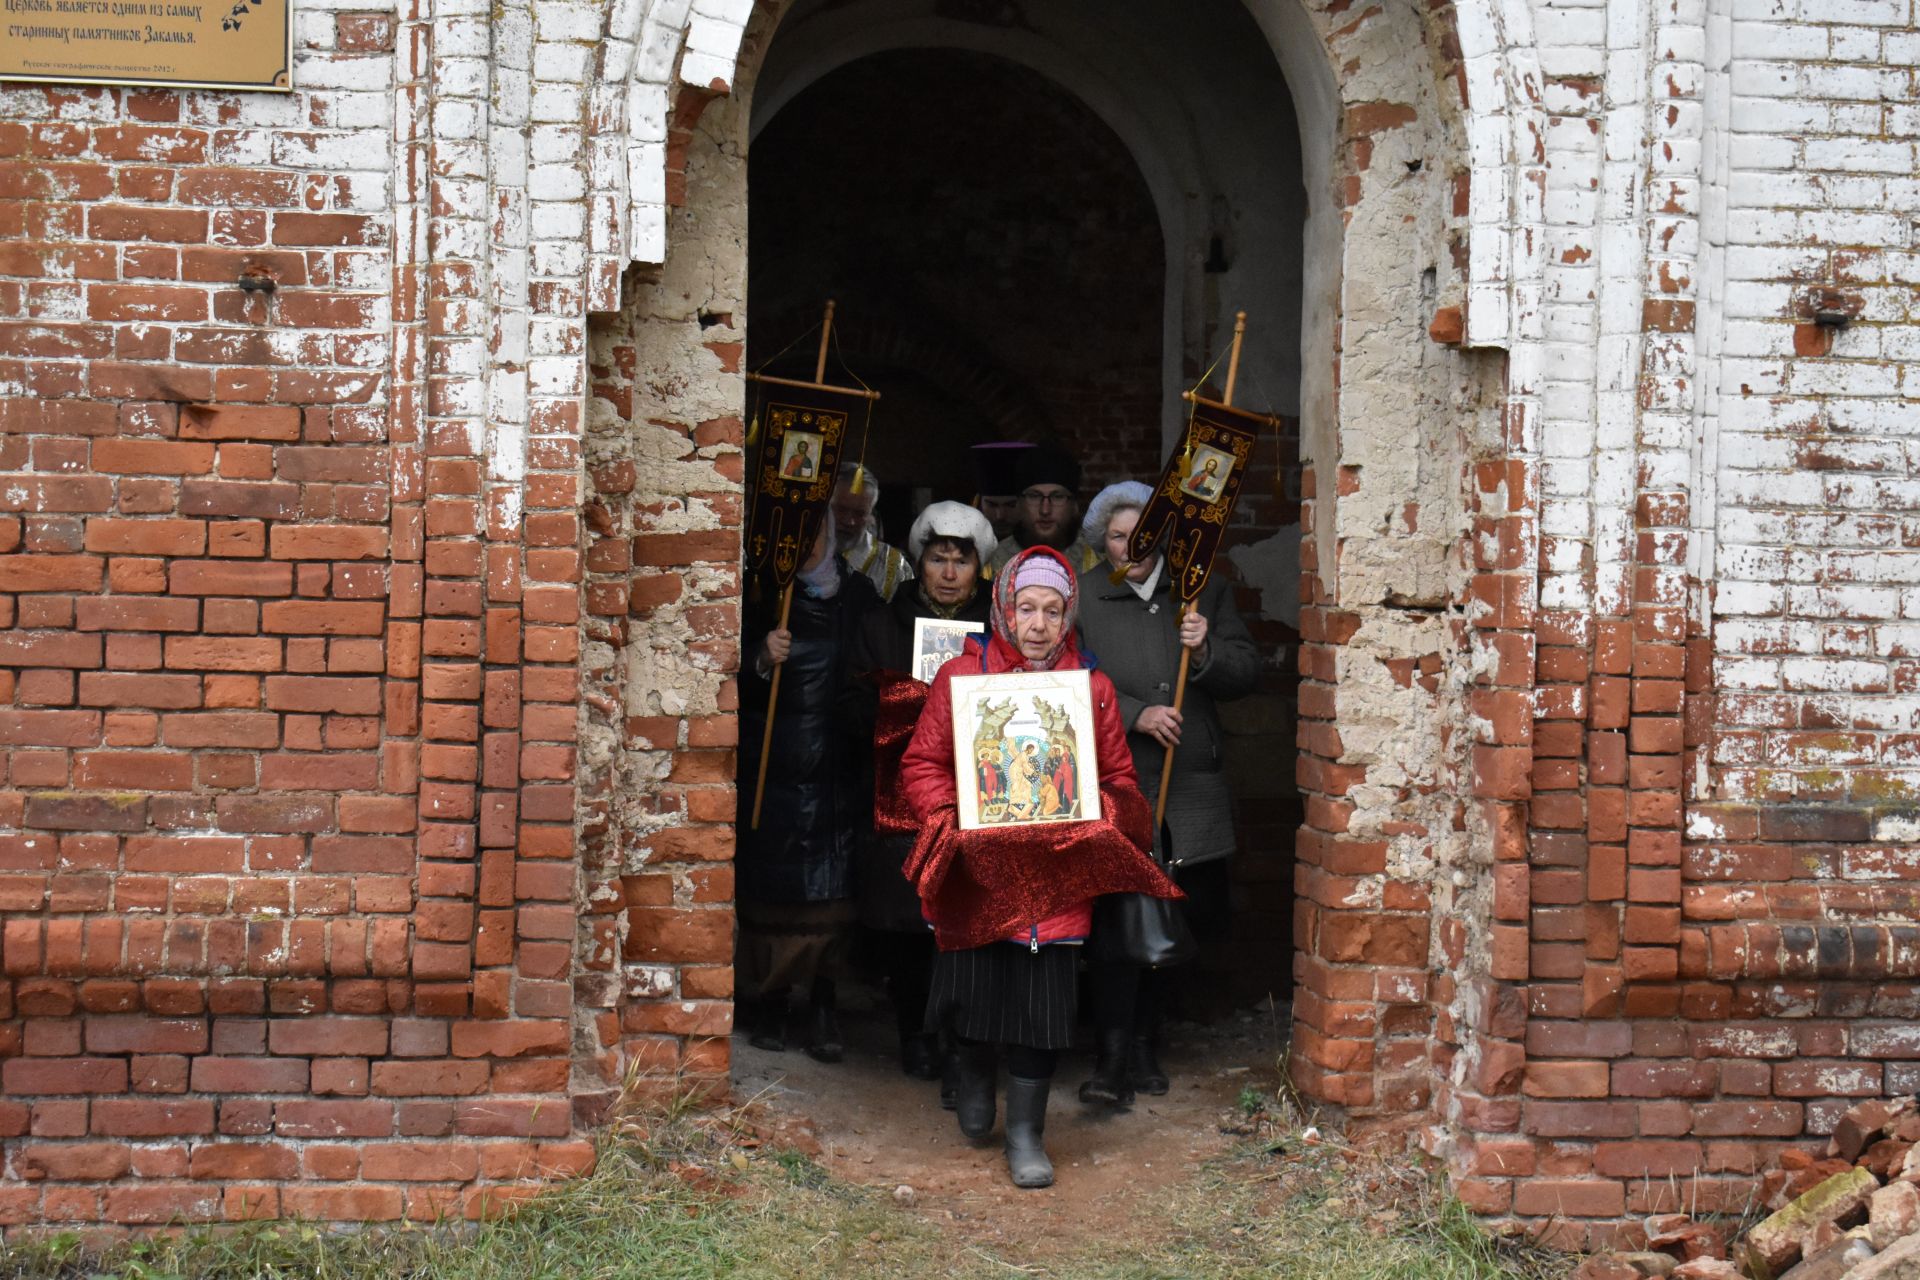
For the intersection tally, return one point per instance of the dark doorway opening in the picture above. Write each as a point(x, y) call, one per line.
point(996, 257)
point(1001, 270)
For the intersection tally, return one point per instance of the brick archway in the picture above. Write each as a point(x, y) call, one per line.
point(1402, 660)
point(372, 742)
point(368, 644)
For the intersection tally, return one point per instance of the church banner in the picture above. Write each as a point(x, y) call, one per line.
point(173, 44)
point(804, 429)
point(1193, 502)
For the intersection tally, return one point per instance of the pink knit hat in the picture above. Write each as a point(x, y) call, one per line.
point(1043, 571)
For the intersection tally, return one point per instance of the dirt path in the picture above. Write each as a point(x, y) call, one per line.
point(878, 1127)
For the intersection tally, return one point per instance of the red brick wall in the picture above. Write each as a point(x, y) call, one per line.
point(665, 460)
point(657, 829)
point(366, 682)
point(269, 947)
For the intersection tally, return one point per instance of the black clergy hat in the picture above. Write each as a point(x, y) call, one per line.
point(1047, 464)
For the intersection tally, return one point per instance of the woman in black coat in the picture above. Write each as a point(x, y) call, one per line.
point(794, 871)
point(949, 544)
point(1136, 628)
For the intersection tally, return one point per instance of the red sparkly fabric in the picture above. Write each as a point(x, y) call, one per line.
point(901, 700)
point(978, 887)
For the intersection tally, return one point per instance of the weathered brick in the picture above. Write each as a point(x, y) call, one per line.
point(127, 1118)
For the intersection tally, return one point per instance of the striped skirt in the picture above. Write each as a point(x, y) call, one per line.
point(1007, 993)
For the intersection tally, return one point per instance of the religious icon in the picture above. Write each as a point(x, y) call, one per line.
point(936, 641)
point(1208, 475)
point(799, 455)
point(1023, 749)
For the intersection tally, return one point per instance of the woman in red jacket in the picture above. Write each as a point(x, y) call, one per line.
point(1002, 901)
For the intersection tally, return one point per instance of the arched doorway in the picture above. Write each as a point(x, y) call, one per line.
point(1389, 420)
point(988, 225)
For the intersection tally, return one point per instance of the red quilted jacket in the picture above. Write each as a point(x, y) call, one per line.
point(1027, 884)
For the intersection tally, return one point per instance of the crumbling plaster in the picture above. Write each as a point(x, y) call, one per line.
point(679, 381)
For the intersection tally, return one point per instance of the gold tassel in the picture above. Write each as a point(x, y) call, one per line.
point(859, 479)
point(753, 431)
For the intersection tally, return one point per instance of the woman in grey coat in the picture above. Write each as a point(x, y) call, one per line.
point(1136, 632)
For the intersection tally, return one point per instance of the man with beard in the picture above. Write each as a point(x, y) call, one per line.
point(1049, 512)
point(996, 487)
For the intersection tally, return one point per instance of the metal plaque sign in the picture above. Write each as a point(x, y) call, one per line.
point(181, 44)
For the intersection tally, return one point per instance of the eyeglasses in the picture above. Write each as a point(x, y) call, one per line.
point(1047, 497)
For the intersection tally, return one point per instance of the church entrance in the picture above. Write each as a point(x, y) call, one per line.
point(1037, 223)
point(1023, 244)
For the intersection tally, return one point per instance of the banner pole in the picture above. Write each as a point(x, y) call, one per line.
point(1233, 361)
point(826, 332)
point(773, 702)
point(786, 605)
point(1186, 654)
point(1166, 763)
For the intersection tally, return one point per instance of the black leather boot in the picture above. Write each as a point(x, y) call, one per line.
point(1143, 1067)
point(823, 1030)
point(949, 1076)
point(1109, 1081)
point(974, 1068)
point(1026, 1127)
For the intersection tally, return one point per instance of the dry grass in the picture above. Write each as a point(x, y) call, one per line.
point(681, 1193)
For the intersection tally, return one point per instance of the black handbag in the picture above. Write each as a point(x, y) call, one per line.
point(1137, 928)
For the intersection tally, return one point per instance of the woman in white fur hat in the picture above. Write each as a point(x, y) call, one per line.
point(949, 544)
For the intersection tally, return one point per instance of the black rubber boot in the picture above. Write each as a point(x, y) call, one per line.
point(1143, 1067)
point(910, 974)
point(1026, 1128)
point(823, 1030)
point(949, 1076)
point(974, 1066)
point(1109, 1083)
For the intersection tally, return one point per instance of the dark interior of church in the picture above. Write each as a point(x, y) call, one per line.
point(999, 270)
